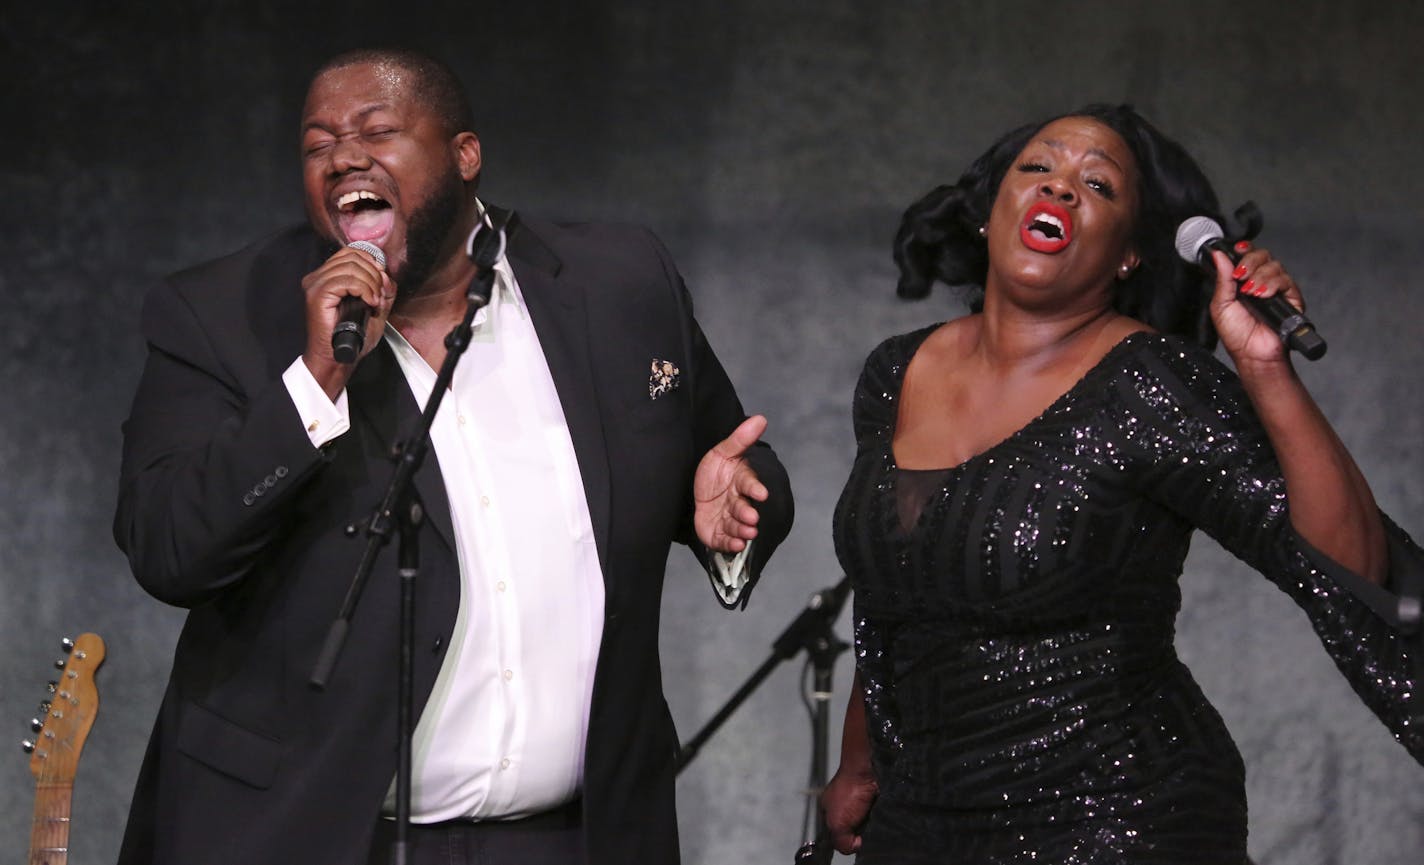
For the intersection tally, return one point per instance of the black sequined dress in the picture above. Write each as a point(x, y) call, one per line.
point(1014, 619)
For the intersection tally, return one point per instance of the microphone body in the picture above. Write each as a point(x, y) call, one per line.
point(349, 335)
point(1196, 237)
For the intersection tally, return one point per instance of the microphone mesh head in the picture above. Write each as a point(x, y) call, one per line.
point(375, 251)
point(1194, 232)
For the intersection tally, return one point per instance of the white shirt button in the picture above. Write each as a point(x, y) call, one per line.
point(508, 674)
point(499, 585)
point(504, 764)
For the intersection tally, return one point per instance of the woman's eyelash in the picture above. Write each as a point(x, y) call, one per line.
point(1104, 188)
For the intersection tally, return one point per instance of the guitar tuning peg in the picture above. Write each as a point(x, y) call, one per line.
point(28, 746)
point(59, 665)
point(68, 645)
point(36, 724)
point(52, 687)
point(44, 707)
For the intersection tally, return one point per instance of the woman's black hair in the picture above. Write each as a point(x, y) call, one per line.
point(939, 239)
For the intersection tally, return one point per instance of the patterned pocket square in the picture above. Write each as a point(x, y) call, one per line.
point(664, 379)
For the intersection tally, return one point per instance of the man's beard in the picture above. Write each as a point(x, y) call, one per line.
point(426, 234)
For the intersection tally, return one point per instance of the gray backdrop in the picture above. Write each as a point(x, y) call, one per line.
point(772, 145)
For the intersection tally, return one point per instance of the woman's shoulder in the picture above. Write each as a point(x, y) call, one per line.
point(877, 393)
point(1151, 375)
point(1162, 355)
point(894, 352)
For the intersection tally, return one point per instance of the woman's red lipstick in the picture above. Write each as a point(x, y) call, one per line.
point(1046, 227)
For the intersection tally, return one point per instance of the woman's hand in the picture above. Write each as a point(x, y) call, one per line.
point(846, 801)
point(1243, 335)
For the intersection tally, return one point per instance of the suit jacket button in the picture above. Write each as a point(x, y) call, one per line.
point(280, 471)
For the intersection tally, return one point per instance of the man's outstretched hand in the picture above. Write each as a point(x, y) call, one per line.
point(725, 487)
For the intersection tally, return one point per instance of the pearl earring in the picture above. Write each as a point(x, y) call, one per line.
point(983, 231)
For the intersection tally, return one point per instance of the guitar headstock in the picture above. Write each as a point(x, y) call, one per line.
point(67, 712)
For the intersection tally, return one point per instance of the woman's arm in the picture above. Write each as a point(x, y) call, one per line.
point(1331, 505)
point(849, 795)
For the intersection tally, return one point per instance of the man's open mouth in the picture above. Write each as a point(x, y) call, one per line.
point(364, 215)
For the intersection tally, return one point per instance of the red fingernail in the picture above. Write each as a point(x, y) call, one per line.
point(1239, 272)
point(1242, 245)
point(1246, 286)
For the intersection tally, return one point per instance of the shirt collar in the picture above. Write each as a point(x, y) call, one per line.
point(505, 291)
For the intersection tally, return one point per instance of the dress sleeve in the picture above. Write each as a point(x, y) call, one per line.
point(875, 664)
point(1185, 423)
point(877, 393)
point(873, 412)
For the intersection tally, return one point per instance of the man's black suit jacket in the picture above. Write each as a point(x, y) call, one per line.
point(226, 508)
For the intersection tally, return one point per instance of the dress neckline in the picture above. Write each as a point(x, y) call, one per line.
point(894, 462)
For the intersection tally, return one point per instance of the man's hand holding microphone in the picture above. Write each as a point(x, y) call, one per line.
point(348, 300)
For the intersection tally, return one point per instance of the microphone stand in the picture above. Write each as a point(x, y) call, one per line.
point(401, 505)
point(812, 631)
point(817, 850)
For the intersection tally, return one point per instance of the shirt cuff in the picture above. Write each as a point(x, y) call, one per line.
point(730, 573)
point(323, 419)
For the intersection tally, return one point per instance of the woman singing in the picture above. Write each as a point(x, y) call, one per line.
point(1026, 482)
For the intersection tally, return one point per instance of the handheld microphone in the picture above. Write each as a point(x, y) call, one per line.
point(1196, 237)
point(349, 335)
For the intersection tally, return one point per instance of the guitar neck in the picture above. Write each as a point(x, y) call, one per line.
point(49, 834)
point(62, 727)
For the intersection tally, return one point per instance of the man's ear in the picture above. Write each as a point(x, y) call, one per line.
point(467, 155)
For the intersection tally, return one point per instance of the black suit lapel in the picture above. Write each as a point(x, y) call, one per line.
point(380, 396)
point(558, 310)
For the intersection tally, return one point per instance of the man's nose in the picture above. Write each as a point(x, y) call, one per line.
point(349, 155)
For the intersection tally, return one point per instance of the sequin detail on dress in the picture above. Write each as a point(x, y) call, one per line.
point(1014, 619)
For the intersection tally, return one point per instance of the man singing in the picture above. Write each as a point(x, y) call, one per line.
point(587, 427)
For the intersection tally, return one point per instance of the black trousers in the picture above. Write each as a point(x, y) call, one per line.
point(552, 838)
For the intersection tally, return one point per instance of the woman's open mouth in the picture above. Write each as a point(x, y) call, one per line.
point(1046, 227)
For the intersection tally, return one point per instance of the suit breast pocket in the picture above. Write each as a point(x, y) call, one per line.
point(656, 396)
point(666, 412)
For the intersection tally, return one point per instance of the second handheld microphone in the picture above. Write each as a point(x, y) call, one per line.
point(1196, 237)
